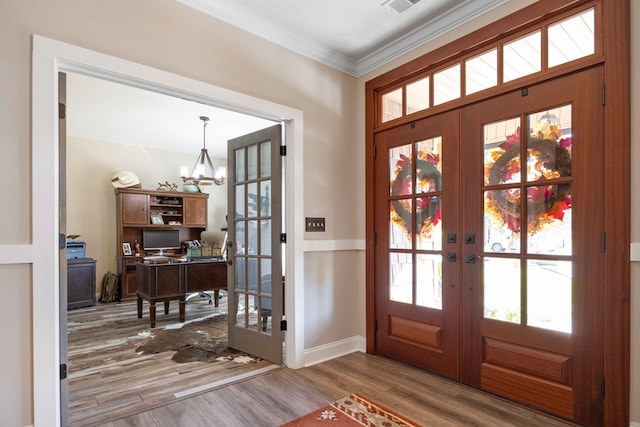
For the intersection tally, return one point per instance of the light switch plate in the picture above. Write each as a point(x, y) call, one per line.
point(314, 224)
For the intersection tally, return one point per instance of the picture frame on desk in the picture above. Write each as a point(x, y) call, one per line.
point(156, 219)
point(126, 249)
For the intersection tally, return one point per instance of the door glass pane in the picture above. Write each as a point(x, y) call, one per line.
point(252, 199)
point(498, 236)
point(572, 38)
point(240, 237)
point(502, 152)
point(265, 159)
point(522, 57)
point(401, 277)
point(240, 201)
point(400, 170)
point(240, 166)
point(252, 237)
point(429, 232)
point(400, 224)
point(265, 237)
point(549, 294)
point(502, 210)
point(429, 165)
point(265, 198)
point(549, 144)
point(429, 281)
point(446, 85)
point(481, 72)
point(549, 219)
point(241, 312)
point(502, 289)
point(391, 105)
point(418, 95)
point(252, 162)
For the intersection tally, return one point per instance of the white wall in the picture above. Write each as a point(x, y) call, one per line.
point(91, 201)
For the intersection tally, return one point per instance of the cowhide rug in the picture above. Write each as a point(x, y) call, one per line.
point(198, 341)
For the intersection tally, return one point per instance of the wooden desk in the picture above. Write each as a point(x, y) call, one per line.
point(176, 280)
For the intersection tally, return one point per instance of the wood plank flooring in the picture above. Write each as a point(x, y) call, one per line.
point(279, 396)
point(109, 380)
point(108, 386)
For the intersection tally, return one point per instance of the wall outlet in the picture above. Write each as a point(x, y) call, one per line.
point(314, 224)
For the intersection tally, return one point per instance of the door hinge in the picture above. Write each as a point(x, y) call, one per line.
point(283, 325)
point(63, 371)
point(62, 241)
point(375, 152)
point(604, 94)
point(604, 241)
point(283, 150)
point(283, 237)
point(602, 388)
point(62, 111)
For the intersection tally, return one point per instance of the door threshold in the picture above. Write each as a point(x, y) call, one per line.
point(224, 382)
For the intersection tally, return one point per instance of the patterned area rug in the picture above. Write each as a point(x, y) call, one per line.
point(354, 410)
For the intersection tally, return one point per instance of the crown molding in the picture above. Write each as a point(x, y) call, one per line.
point(227, 11)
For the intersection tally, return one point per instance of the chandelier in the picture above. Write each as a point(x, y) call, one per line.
point(203, 172)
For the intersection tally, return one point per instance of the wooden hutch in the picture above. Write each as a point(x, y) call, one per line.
point(186, 212)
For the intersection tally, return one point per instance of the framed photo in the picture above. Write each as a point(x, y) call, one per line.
point(126, 249)
point(156, 219)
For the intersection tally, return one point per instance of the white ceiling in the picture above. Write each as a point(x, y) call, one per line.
point(112, 112)
point(354, 36)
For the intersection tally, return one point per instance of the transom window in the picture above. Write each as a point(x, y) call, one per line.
point(564, 41)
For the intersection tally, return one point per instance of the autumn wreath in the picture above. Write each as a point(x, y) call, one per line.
point(428, 178)
point(548, 158)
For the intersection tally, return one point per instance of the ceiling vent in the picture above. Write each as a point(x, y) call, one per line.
point(399, 6)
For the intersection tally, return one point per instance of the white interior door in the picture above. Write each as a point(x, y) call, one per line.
point(255, 281)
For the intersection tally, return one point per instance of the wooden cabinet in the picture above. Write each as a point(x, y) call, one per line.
point(81, 283)
point(135, 208)
point(195, 211)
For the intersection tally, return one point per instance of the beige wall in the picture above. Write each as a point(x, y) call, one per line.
point(166, 35)
point(91, 202)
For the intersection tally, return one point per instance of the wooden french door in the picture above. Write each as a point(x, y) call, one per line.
point(489, 253)
point(417, 220)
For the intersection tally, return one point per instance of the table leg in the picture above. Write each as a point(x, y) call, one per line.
point(166, 307)
point(216, 296)
point(181, 310)
point(139, 307)
point(152, 313)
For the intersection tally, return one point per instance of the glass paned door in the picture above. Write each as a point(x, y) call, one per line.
point(254, 254)
point(533, 282)
point(416, 267)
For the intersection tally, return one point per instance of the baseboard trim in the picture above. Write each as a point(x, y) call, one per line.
point(335, 349)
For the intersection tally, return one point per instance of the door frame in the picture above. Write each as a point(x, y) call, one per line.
point(48, 58)
point(615, 42)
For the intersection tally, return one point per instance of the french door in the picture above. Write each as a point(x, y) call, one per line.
point(255, 285)
point(489, 252)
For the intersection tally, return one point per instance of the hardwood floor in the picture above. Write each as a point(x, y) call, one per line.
point(112, 386)
point(109, 379)
point(285, 394)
